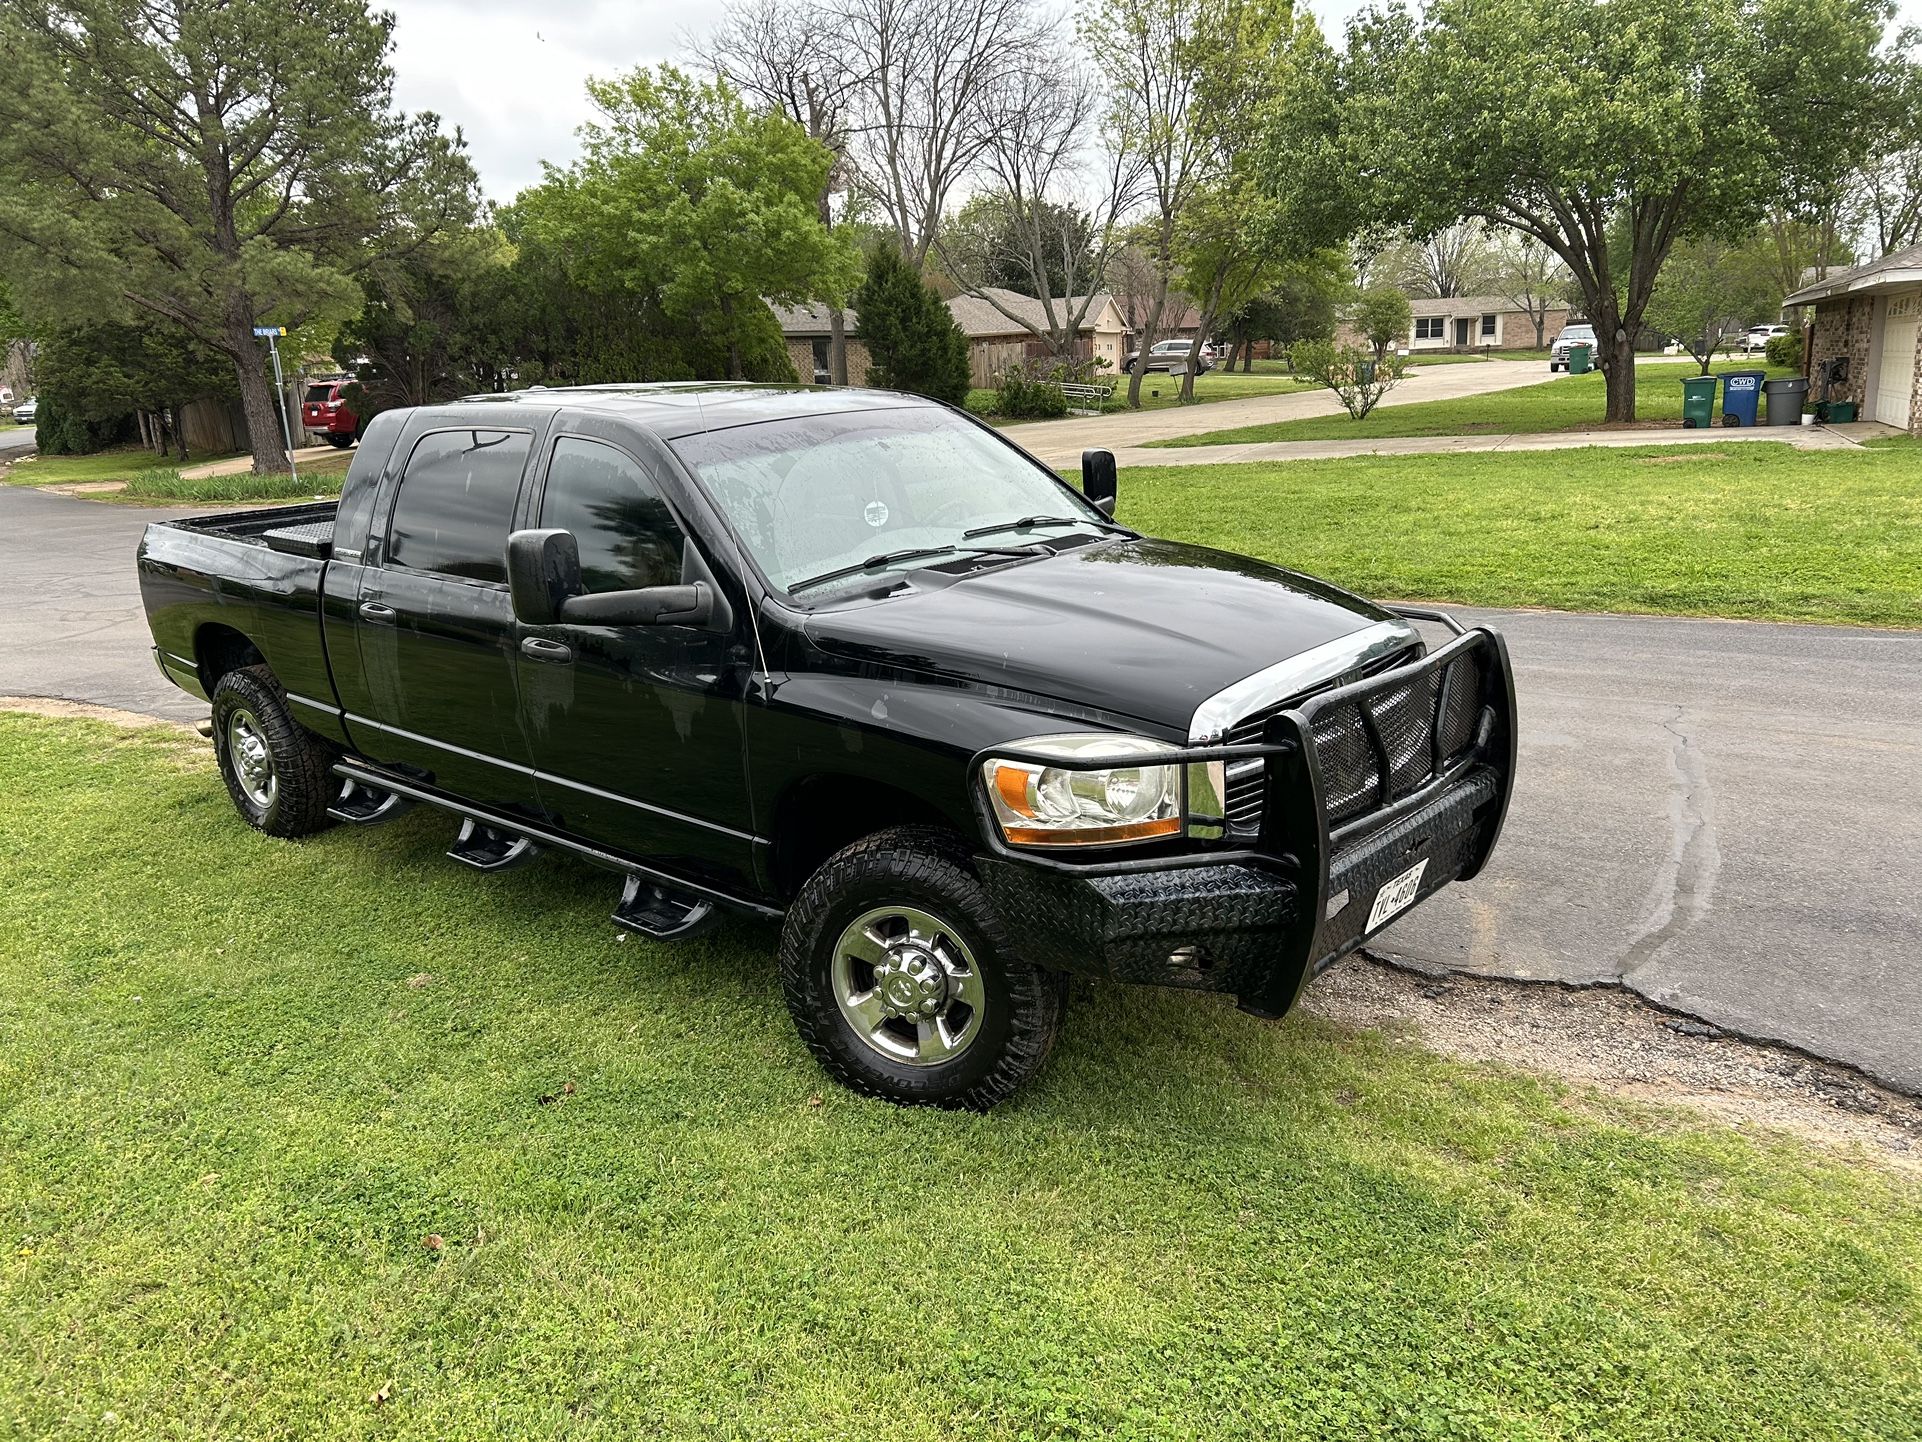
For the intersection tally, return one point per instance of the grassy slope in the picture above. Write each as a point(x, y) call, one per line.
point(242, 1081)
point(115, 465)
point(317, 477)
point(1565, 403)
point(1737, 530)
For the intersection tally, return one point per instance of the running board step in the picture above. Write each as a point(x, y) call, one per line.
point(660, 912)
point(486, 848)
point(365, 805)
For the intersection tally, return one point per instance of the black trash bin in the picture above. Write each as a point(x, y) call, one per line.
point(1785, 400)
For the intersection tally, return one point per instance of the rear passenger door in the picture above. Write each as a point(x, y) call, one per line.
point(434, 626)
point(637, 730)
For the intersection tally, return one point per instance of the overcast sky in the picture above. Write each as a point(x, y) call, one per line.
point(511, 73)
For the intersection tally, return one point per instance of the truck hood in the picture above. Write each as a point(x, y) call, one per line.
point(1145, 628)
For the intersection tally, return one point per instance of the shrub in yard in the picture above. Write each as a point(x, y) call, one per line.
point(913, 342)
point(1357, 377)
point(1024, 396)
point(1784, 351)
point(983, 403)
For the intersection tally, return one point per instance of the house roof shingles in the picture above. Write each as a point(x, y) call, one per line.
point(1896, 268)
point(979, 319)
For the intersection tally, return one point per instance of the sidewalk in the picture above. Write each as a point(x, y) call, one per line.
point(1805, 438)
point(1060, 443)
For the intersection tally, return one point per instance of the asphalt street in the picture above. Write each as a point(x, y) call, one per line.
point(1725, 816)
point(16, 438)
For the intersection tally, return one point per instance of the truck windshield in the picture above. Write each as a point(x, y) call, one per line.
point(817, 494)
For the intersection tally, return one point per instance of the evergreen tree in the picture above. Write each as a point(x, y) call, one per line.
point(912, 340)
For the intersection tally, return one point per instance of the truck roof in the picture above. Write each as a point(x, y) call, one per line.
point(672, 409)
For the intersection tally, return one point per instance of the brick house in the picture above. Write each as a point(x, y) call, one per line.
point(996, 342)
point(805, 329)
point(1469, 323)
point(1871, 315)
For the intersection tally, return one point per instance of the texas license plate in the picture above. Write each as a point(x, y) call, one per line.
point(1397, 895)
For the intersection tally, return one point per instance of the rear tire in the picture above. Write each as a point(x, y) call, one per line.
point(903, 983)
point(338, 441)
point(277, 772)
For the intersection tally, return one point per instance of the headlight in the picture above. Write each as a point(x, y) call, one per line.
point(1041, 805)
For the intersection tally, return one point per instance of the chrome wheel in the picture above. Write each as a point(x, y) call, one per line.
point(253, 763)
point(908, 985)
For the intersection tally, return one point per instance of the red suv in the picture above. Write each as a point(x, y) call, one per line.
point(324, 412)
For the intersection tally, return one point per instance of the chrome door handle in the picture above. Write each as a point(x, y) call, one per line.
point(539, 648)
point(376, 612)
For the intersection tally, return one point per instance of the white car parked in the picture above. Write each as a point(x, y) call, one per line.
point(1759, 336)
point(26, 411)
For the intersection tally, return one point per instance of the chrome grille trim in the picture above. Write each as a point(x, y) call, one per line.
point(1216, 716)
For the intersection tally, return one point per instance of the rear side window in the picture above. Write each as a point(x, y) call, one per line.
point(319, 395)
point(627, 535)
point(456, 503)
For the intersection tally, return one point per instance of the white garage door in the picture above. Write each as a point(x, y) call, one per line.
point(1895, 382)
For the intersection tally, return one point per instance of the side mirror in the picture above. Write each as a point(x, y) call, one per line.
point(1098, 482)
point(543, 573)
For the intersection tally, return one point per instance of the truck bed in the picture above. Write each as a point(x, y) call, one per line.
point(293, 530)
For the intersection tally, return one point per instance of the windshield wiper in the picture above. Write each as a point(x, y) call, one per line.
point(889, 558)
point(1029, 522)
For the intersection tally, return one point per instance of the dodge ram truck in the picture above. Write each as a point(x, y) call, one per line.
point(853, 661)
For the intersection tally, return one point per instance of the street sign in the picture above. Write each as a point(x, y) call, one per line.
point(261, 330)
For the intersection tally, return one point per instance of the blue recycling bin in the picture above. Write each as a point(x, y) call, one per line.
point(1741, 396)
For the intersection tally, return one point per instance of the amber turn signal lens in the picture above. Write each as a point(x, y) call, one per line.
point(1094, 835)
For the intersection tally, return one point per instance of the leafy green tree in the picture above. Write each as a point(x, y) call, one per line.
point(686, 198)
point(1383, 315)
point(912, 340)
point(93, 378)
point(429, 329)
point(1625, 127)
point(1709, 288)
point(987, 244)
point(1303, 305)
point(212, 165)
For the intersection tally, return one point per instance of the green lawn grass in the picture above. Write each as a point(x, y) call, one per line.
point(316, 478)
point(1752, 530)
point(121, 464)
point(1564, 403)
point(335, 1139)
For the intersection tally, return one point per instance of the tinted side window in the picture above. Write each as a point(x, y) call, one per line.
point(456, 503)
point(627, 535)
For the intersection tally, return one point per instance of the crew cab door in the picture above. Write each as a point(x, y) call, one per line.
point(636, 730)
point(433, 625)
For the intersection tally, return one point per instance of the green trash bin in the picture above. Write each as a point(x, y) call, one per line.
point(1698, 402)
point(1578, 358)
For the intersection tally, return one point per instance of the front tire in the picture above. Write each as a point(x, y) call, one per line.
point(903, 983)
point(277, 772)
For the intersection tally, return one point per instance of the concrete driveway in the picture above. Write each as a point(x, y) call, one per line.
point(1060, 443)
point(1724, 816)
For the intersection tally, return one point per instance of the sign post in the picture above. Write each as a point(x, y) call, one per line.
point(273, 334)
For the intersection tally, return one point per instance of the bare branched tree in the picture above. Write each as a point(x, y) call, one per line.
point(930, 72)
point(1038, 125)
point(1145, 52)
point(784, 54)
point(1529, 276)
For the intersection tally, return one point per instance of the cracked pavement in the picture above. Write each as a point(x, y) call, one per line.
point(1724, 816)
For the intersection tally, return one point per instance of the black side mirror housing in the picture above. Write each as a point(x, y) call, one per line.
point(543, 573)
point(544, 582)
point(1098, 480)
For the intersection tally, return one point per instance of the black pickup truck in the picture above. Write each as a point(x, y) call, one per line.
point(853, 660)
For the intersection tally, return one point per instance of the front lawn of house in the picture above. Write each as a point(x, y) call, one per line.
point(1754, 530)
point(336, 1139)
point(1160, 391)
point(1564, 403)
point(119, 464)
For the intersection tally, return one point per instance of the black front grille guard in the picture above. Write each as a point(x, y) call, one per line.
point(1297, 839)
